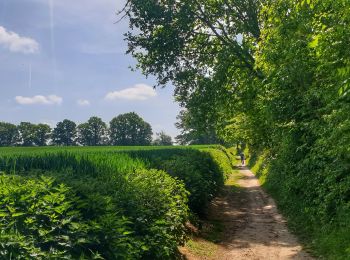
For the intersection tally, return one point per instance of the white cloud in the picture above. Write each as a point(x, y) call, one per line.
point(137, 92)
point(39, 100)
point(16, 43)
point(83, 102)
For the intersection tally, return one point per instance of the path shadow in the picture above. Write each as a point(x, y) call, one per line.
point(248, 217)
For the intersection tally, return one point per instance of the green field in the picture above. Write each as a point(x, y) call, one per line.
point(104, 202)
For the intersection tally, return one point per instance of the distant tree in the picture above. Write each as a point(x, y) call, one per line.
point(130, 129)
point(93, 132)
point(8, 134)
point(84, 135)
point(163, 139)
point(42, 134)
point(27, 133)
point(65, 133)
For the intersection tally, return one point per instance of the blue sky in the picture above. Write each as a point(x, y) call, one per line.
point(66, 59)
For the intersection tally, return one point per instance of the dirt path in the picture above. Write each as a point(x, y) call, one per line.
point(250, 226)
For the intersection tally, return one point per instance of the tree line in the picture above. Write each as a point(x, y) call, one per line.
point(125, 130)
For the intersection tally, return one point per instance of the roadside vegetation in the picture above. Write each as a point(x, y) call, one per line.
point(316, 206)
point(272, 74)
point(104, 203)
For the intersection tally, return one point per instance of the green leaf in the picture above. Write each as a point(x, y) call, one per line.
point(17, 214)
point(314, 43)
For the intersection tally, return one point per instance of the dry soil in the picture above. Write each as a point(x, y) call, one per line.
point(251, 226)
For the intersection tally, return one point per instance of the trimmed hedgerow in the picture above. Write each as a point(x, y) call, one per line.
point(102, 204)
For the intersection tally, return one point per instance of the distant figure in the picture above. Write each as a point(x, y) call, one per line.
point(242, 159)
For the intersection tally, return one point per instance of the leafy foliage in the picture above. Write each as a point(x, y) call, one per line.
point(274, 74)
point(42, 134)
point(93, 132)
point(203, 172)
point(8, 134)
point(205, 49)
point(99, 203)
point(27, 133)
point(65, 133)
point(130, 129)
point(193, 131)
point(304, 57)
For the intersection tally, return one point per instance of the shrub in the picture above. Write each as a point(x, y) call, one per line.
point(103, 203)
point(103, 214)
point(202, 171)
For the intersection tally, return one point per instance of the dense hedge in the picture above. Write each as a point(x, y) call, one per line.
point(202, 171)
point(102, 204)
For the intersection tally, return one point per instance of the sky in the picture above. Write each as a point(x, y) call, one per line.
point(66, 59)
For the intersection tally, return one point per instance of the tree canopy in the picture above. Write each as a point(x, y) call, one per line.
point(93, 132)
point(206, 49)
point(130, 129)
point(65, 133)
point(8, 134)
point(27, 133)
point(42, 134)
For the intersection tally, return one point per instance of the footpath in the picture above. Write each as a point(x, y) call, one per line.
point(243, 223)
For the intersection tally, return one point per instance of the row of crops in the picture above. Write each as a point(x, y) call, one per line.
point(104, 203)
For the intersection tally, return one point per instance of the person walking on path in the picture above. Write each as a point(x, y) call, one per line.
point(242, 159)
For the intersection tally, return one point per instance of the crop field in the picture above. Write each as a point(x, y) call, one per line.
point(104, 202)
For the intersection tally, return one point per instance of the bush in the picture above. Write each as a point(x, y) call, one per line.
point(102, 214)
point(103, 203)
point(203, 171)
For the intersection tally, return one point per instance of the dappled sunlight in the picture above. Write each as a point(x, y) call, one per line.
point(253, 228)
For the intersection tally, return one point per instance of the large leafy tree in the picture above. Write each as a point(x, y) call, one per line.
point(93, 132)
point(205, 49)
point(27, 133)
point(8, 134)
point(42, 134)
point(180, 39)
point(130, 129)
point(65, 133)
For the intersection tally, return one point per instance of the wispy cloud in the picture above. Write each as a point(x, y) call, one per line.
point(16, 43)
point(137, 92)
point(39, 100)
point(83, 102)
